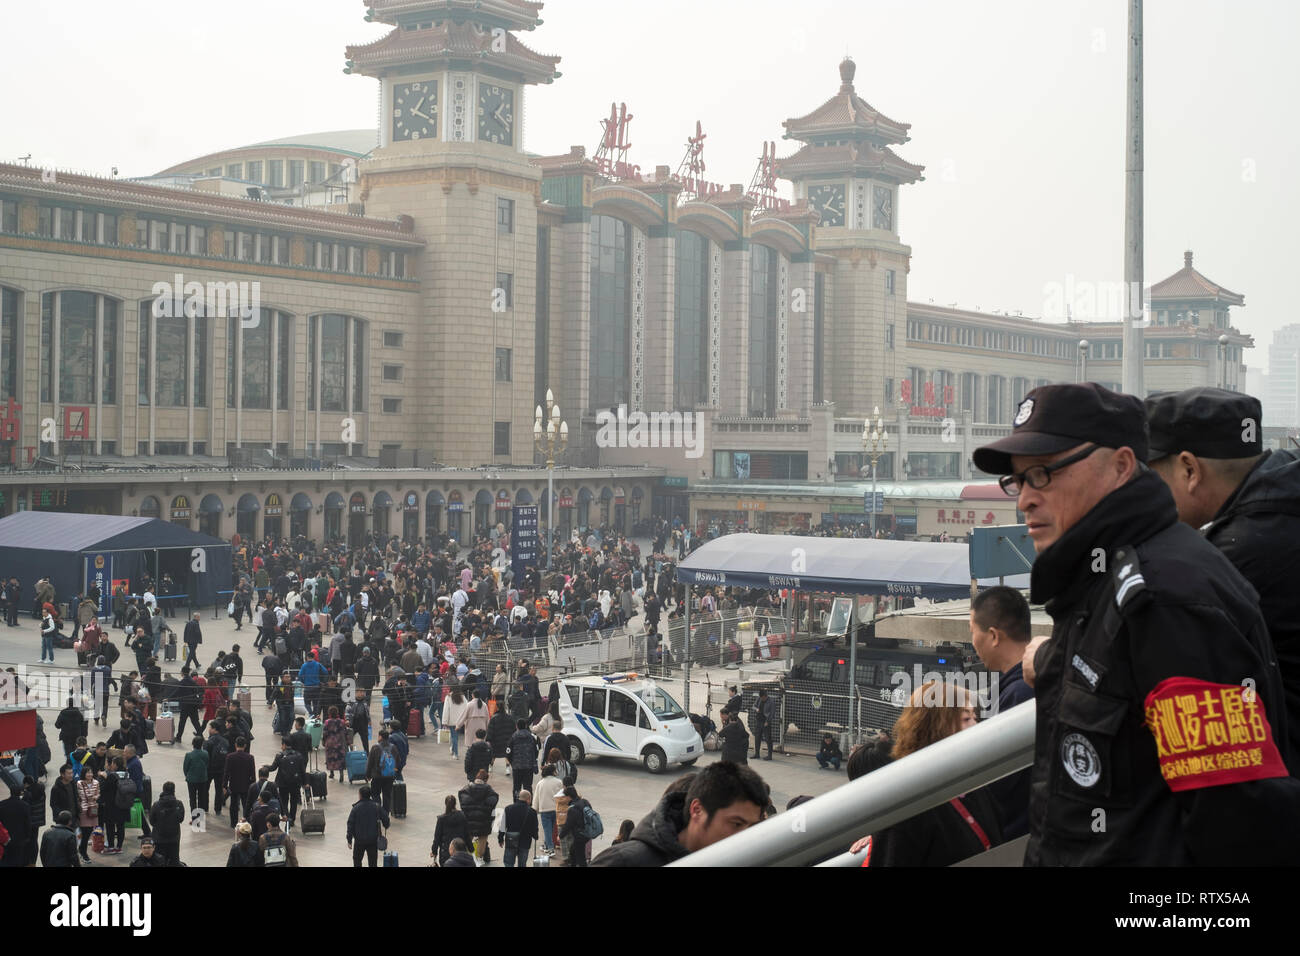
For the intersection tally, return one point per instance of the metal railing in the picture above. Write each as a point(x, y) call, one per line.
point(712, 637)
point(898, 791)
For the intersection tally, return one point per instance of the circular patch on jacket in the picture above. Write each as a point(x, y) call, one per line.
point(1026, 409)
point(1081, 760)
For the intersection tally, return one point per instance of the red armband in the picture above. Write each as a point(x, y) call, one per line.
point(1208, 734)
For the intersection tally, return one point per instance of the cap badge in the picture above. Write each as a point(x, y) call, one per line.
point(1026, 409)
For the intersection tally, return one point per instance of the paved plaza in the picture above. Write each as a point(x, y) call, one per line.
point(617, 789)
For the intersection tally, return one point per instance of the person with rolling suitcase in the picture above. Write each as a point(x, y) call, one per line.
point(289, 770)
point(365, 819)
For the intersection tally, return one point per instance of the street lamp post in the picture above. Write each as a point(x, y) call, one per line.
point(1083, 356)
point(550, 442)
point(874, 441)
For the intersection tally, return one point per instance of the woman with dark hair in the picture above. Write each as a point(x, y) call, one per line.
point(954, 831)
point(334, 735)
point(451, 825)
point(624, 832)
point(549, 723)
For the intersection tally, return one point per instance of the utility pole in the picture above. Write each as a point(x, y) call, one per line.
point(1135, 298)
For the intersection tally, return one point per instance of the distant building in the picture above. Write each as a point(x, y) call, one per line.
point(1282, 404)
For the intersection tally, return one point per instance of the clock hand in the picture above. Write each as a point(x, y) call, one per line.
point(416, 109)
point(496, 114)
point(416, 112)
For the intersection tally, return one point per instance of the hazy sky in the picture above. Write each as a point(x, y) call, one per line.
point(1016, 107)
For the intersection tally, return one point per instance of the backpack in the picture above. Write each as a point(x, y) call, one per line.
point(294, 764)
point(592, 826)
point(126, 791)
point(387, 763)
point(275, 853)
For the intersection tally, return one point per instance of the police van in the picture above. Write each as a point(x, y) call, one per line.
point(623, 715)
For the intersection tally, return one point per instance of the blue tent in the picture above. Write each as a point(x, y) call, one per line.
point(934, 570)
point(73, 549)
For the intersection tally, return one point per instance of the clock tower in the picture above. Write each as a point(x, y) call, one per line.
point(452, 77)
point(851, 178)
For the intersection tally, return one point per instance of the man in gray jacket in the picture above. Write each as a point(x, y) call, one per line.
point(59, 843)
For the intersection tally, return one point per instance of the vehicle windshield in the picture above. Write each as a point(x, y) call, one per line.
point(662, 705)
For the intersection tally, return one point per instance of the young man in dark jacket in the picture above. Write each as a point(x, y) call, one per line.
point(63, 794)
point(499, 731)
point(59, 843)
point(735, 739)
point(216, 748)
point(237, 776)
point(289, 767)
point(149, 855)
point(167, 816)
point(830, 754)
point(523, 757)
point(364, 822)
point(698, 810)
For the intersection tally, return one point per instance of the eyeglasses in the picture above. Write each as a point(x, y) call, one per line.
point(1040, 476)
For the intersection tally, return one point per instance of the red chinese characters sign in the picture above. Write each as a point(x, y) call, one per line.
point(928, 396)
point(957, 516)
point(1210, 734)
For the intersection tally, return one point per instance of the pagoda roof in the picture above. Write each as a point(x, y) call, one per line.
point(857, 159)
point(846, 115)
point(515, 14)
point(1187, 283)
point(450, 40)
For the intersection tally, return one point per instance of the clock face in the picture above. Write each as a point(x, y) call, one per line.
point(496, 114)
point(882, 208)
point(415, 111)
point(829, 202)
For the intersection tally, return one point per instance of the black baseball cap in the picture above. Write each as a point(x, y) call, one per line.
point(1053, 418)
point(1208, 422)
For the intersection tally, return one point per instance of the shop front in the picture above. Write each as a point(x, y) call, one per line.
point(300, 515)
point(273, 517)
point(357, 509)
point(334, 508)
point(383, 509)
point(210, 509)
point(456, 517)
point(246, 517)
point(182, 511)
point(434, 505)
point(564, 511)
point(504, 509)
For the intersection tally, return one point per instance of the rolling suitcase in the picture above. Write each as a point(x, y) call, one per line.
point(316, 728)
point(390, 858)
point(415, 723)
point(311, 820)
point(399, 799)
point(169, 651)
point(356, 763)
point(164, 728)
point(317, 781)
point(245, 699)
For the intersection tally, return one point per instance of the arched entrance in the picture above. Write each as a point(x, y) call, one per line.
point(584, 508)
point(300, 515)
point(411, 517)
point(357, 509)
point(564, 505)
point(456, 517)
point(246, 516)
point(182, 510)
point(434, 503)
point(210, 509)
point(606, 498)
point(505, 509)
point(482, 507)
point(273, 517)
point(620, 510)
point(334, 507)
point(383, 510)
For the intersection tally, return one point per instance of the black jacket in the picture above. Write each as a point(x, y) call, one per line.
point(289, 767)
point(523, 751)
point(364, 821)
point(477, 757)
point(70, 725)
point(59, 847)
point(654, 841)
point(522, 819)
point(1170, 605)
point(499, 731)
point(63, 797)
point(735, 742)
point(16, 817)
point(464, 860)
point(193, 632)
point(1257, 528)
point(478, 801)
point(449, 827)
point(167, 816)
point(939, 836)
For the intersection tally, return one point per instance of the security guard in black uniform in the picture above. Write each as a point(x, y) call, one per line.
point(1157, 738)
point(1207, 445)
